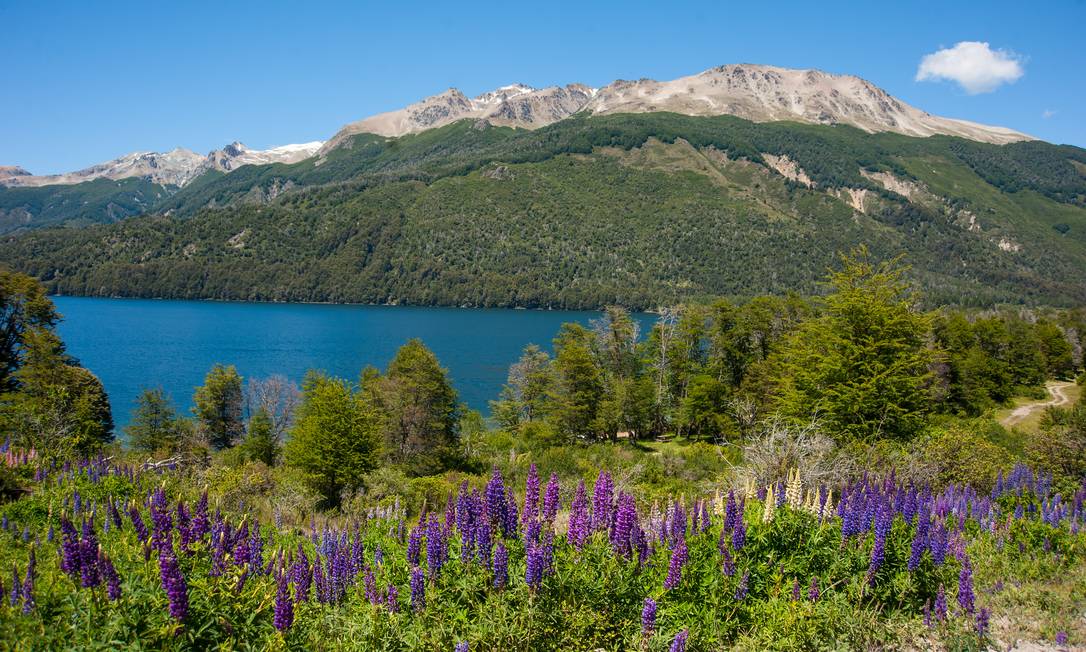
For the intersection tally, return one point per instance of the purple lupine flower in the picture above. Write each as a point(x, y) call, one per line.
point(729, 565)
point(679, 644)
point(1061, 638)
point(462, 646)
point(648, 618)
point(533, 572)
point(437, 550)
point(70, 558)
point(920, 541)
point(927, 614)
point(16, 586)
point(200, 522)
point(940, 604)
point(501, 566)
point(418, 590)
point(625, 519)
point(496, 504)
point(965, 587)
point(109, 573)
point(392, 600)
point(414, 545)
point(161, 521)
point(813, 593)
point(284, 607)
point(731, 512)
point(744, 585)
point(551, 499)
point(675, 565)
point(578, 519)
point(173, 583)
point(938, 543)
point(883, 520)
point(137, 522)
point(531, 494)
point(739, 534)
point(982, 621)
point(51, 534)
point(510, 526)
point(89, 576)
point(378, 556)
point(795, 590)
point(483, 542)
point(369, 582)
point(602, 501)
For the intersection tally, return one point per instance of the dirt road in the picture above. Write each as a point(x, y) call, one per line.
point(1058, 392)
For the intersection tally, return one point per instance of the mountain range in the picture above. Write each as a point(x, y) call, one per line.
point(739, 180)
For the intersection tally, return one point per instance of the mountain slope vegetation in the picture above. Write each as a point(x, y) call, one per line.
point(640, 210)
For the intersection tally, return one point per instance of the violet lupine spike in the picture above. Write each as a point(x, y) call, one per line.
point(173, 583)
point(551, 499)
point(16, 587)
point(284, 607)
point(392, 600)
point(414, 545)
point(813, 592)
point(418, 590)
point(89, 576)
point(602, 499)
point(729, 565)
point(70, 558)
point(579, 523)
point(744, 586)
point(648, 618)
point(200, 520)
point(137, 522)
point(796, 590)
point(625, 520)
point(982, 622)
point(675, 565)
point(940, 607)
point(496, 504)
point(512, 515)
point(965, 587)
point(533, 572)
point(109, 573)
point(501, 566)
point(883, 520)
point(484, 542)
point(462, 646)
point(531, 494)
point(679, 644)
point(436, 547)
point(739, 534)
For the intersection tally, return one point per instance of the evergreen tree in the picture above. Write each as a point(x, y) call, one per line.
point(260, 441)
point(421, 409)
point(579, 388)
point(218, 407)
point(155, 424)
point(335, 439)
point(864, 367)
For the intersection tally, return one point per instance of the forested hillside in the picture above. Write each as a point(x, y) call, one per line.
point(639, 210)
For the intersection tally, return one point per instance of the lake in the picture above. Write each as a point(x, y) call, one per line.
point(131, 344)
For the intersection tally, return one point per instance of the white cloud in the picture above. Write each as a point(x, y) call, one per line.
point(1048, 113)
point(975, 66)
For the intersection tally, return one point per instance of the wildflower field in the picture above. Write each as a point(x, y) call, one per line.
point(104, 555)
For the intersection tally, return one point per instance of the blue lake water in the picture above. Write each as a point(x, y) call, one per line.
point(131, 344)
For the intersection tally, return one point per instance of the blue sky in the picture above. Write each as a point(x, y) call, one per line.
point(84, 82)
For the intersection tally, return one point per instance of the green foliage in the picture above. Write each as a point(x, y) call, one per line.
point(155, 425)
point(419, 409)
point(336, 437)
point(24, 308)
point(260, 443)
point(90, 202)
point(1060, 447)
point(217, 405)
point(863, 367)
point(620, 209)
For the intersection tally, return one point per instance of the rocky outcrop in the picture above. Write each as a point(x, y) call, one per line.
point(516, 105)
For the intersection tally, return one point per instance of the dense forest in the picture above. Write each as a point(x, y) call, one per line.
point(635, 210)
